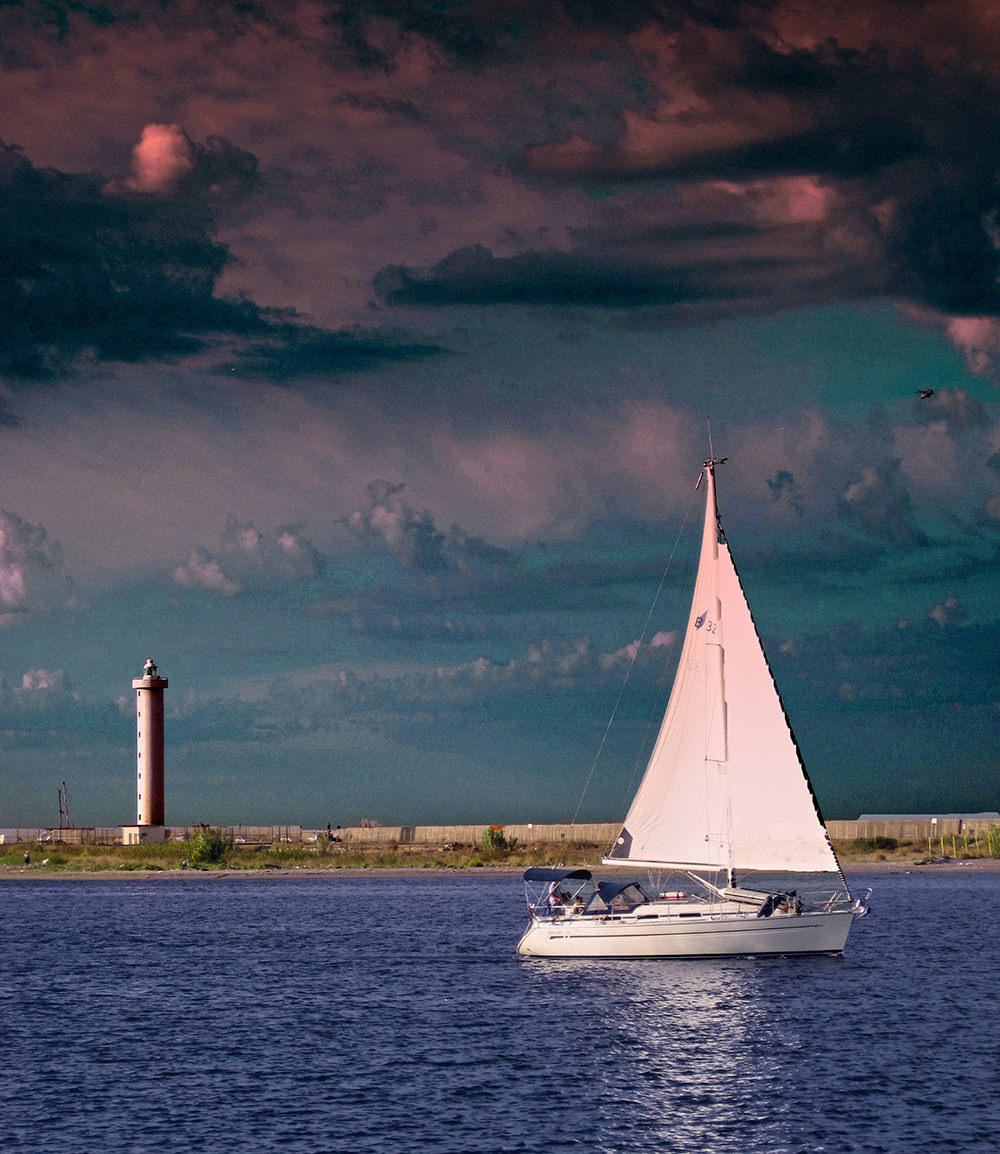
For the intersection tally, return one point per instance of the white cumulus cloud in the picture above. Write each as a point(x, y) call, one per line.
point(284, 555)
point(247, 558)
point(43, 679)
point(203, 571)
point(31, 574)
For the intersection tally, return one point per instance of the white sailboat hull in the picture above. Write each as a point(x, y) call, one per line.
point(670, 936)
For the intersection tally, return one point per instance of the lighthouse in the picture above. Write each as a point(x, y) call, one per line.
point(148, 757)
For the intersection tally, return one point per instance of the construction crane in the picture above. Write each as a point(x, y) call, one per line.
point(65, 817)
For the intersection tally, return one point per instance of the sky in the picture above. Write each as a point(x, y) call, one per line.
point(358, 361)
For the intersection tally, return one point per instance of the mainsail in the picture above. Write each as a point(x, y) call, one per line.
point(725, 787)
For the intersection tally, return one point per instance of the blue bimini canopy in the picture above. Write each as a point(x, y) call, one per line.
point(544, 874)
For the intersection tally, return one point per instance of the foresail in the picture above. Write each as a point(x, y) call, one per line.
point(725, 787)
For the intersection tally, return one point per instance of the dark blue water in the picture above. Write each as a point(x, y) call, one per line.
point(374, 1015)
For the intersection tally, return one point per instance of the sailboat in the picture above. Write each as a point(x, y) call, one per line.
point(725, 790)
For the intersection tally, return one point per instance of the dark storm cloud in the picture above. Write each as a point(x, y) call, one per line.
point(941, 238)
point(674, 274)
point(895, 132)
point(127, 270)
point(292, 351)
point(782, 486)
point(121, 275)
point(475, 34)
point(475, 276)
point(827, 109)
point(487, 32)
point(27, 25)
point(681, 104)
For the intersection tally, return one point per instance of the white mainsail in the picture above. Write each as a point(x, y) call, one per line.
point(725, 787)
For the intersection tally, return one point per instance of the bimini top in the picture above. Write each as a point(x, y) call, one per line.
point(608, 891)
point(544, 874)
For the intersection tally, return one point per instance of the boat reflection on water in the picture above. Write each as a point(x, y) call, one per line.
point(699, 1055)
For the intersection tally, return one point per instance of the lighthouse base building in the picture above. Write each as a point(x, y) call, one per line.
point(143, 834)
point(149, 825)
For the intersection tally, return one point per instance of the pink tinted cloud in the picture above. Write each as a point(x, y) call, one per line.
point(941, 32)
point(670, 138)
point(163, 155)
point(31, 572)
point(409, 162)
point(554, 482)
point(366, 172)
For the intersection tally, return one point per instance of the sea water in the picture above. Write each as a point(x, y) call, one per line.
point(380, 1016)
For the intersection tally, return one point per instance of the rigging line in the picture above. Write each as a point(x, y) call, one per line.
point(631, 665)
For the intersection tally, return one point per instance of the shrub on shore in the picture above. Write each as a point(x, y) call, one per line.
point(209, 845)
point(496, 841)
point(870, 844)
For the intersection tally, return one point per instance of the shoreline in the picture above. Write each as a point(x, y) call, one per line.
point(41, 873)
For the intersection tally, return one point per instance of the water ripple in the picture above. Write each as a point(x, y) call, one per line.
point(381, 1017)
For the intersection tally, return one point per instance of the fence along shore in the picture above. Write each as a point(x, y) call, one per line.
point(919, 829)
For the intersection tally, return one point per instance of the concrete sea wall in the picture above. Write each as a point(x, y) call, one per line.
point(597, 833)
point(915, 829)
point(912, 828)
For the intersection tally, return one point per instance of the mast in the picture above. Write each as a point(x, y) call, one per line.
point(717, 734)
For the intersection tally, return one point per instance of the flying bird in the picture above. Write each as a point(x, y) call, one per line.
point(925, 393)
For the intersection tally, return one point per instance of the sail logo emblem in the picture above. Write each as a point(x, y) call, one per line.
point(700, 621)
